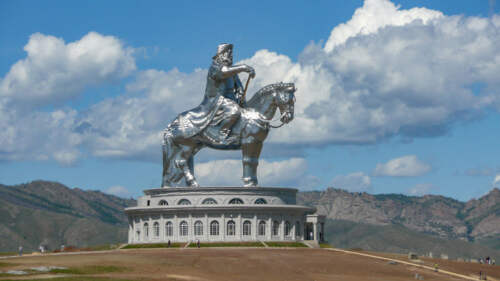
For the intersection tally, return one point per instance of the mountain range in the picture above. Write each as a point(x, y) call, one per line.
point(400, 223)
point(49, 213)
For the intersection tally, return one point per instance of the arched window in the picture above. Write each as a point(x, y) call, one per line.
point(297, 228)
point(183, 228)
point(236, 201)
point(261, 201)
point(146, 230)
point(231, 228)
point(247, 228)
point(288, 228)
point(214, 228)
point(184, 202)
point(156, 229)
point(169, 229)
point(209, 201)
point(276, 228)
point(198, 228)
point(163, 203)
point(262, 228)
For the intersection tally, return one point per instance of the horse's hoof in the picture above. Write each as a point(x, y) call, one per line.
point(249, 183)
point(194, 184)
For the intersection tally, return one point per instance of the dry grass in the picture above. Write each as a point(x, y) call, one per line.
point(154, 245)
point(227, 244)
point(238, 264)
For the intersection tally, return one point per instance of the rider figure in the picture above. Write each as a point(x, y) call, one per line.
point(223, 81)
point(223, 98)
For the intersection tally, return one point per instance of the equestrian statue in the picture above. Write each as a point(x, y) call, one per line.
point(224, 120)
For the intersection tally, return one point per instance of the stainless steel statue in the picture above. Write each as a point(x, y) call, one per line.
point(224, 120)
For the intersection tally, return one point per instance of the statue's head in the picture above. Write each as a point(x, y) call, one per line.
point(224, 54)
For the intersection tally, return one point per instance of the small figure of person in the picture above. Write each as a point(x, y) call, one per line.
point(20, 250)
point(436, 267)
point(198, 243)
point(168, 244)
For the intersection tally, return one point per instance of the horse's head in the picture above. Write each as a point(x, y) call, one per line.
point(285, 100)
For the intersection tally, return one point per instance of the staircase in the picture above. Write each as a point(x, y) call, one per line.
point(311, 243)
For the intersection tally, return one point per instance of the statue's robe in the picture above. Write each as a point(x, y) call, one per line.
point(211, 111)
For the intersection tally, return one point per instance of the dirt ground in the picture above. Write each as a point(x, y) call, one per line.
point(250, 264)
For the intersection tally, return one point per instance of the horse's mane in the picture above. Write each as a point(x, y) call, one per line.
point(269, 89)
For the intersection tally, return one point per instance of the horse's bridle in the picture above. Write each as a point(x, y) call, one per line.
point(287, 110)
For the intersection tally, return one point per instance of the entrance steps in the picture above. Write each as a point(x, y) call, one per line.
point(311, 243)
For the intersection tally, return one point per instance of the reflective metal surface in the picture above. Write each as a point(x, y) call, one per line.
point(224, 120)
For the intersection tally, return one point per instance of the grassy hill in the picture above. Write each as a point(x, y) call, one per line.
point(399, 239)
point(52, 214)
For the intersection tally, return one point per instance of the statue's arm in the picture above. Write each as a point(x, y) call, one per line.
point(239, 90)
point(229, 71)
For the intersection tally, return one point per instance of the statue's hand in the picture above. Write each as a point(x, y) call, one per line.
point(251, 72)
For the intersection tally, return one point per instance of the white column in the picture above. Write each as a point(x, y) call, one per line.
point(255, 228)
point(269, 228)
point(303, 232)
point(162, 228)
point(206, 227)
point(282, 228)
point(190, 236)
point(223, 228)
point(239, 226)
point(175, 229)
point(315, 231)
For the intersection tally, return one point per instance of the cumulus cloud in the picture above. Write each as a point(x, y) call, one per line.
point(118, 190)
point(386, 72)
point(355, 182)
point(289, 172)
point(406, 166)
point(421, 189)
point(496, 180)
point(54, 71)
point(131, 125)
point(400, 72)
point(374, 15)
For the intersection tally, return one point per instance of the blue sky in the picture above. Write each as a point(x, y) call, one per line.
point(392, 98)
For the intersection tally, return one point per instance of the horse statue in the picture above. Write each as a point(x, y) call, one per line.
point(248, 134)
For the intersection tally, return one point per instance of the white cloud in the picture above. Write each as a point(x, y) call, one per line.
point(54, 71)
point(386, 72)
point(131, 125)
point(496, 181)
point(374, 15)
point(406, 166)
point(355, 182)
point(407, 77)
point(421, 189)
point(118, 190)
point(289, 172)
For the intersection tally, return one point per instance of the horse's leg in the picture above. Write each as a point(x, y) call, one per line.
point(172, 173)
point(185, 162)
point(250, 149)
point(166, 163)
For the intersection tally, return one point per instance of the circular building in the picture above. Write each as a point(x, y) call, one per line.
point(222, 214)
